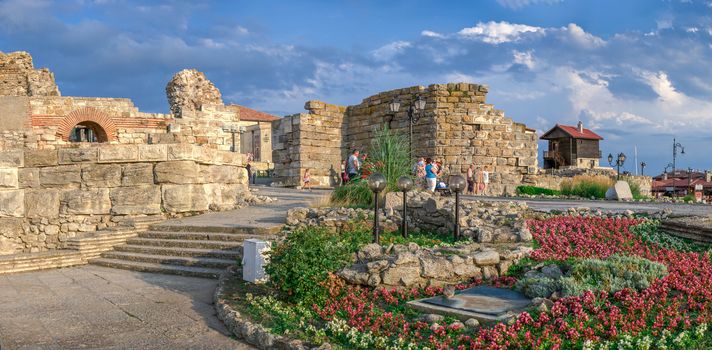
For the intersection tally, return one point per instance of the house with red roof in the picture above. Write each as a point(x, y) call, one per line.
point(255, 132)
point(571, 147)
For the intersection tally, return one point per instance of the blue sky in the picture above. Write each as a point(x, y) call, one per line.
point(636, 71)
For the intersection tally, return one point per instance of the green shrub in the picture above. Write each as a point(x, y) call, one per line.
point(586, 186)
point(650, 232)
point(302, 262)
point(634, 189)
point(689, 198)
point(535, 191)
point(612, 274)
point(353, 194)
point(537, 287)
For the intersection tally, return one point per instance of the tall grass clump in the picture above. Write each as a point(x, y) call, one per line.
point(389, 155)
point(587, 186)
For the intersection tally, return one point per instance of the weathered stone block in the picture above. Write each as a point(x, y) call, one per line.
point(8, 178)
point(42, 203)
point(11, 158)
point(85, 201)
point(178, 172)
point(61, 175)
point(77, 155)
point(137, 174)
point(28, 177)
point(12, 203)
point(489, 257)
point(180, 151)
point(40, 158)
point(118, 153)
point(184, 198)
point(402, 276)
point(136, 200)
point(153, 152)
point(223, 174)
point(101, 175)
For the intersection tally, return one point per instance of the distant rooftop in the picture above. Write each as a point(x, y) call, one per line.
point(574, 132)
point(252, 115)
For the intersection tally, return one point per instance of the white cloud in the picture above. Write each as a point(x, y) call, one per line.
point(582, 38)
point(388, 51)
point(517, 4)
point(524, 58)
point(662, 86)
point(432, 34)
point(498, 32)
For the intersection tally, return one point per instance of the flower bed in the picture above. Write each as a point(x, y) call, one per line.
point(673, 312)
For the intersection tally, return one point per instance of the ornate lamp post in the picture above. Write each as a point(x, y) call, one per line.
point(689, 180)
point(456, 184)
point(620, 159)
point(642, 168)
point(417, 105)
point(405, 184)
point(675, 146)
point(377, 183)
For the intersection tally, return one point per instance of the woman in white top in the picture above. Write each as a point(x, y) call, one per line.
point(485, 179)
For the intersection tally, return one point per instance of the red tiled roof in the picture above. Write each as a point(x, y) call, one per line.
point(251, 115)
point(573, 131)
point(660, 185)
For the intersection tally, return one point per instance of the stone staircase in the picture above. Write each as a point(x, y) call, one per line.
point(203, 251)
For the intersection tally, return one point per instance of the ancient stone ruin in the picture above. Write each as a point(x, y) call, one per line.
point(73, 165)
point(457, 127)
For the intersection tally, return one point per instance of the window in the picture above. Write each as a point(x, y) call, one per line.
point(87, 132)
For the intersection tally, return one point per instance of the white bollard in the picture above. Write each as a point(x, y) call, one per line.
point(254, 259)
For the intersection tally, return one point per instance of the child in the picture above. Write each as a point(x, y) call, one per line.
point(344, 174)
point(307, 179)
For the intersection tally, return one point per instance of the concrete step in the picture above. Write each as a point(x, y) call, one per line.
point(38, 261)
point(170, 260)
point(185, 243)
point(203, 236)
point(250, 230)
point(158, 268)
point(233, 254)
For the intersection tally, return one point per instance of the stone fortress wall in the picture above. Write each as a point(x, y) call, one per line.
point(457, 127)
point(48, 196)
point(144, 165)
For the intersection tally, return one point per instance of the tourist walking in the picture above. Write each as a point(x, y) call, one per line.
point(431, 174)
point(307, 180)
point(353, 165)
point(471, 179)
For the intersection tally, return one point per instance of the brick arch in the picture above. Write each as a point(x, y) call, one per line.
point(88, 115)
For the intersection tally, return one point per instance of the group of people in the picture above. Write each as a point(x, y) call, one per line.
point(428, 171)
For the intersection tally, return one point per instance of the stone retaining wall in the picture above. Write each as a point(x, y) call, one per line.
point(48, 196)
point(484, 222)
point(411, 265)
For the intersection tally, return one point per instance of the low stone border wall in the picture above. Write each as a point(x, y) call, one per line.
point(409, 266)
point(498, 222)
point(248, 331)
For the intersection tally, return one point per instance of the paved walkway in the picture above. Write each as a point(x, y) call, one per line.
point(264, 216)
point(92, 307)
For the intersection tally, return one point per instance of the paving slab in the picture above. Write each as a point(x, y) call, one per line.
point(93, 307)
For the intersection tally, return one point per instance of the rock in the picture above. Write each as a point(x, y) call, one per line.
point(101, 175)
point(449, 291)
point(184, 198)
point(413, 247)
point(525, 235)
point(8, 178)
point(402, 275)
point(552, 271)
point(377, 266)
point(490, 257)
point(436, 267)
point(394, 200)
point(42, 203)
point(620, 191)
point(405, 258)
point(136, 200)
point(457, 325)
point(431, 318)
point(12, 203)
point(370, 251)
point(189, 90)
point(178, 172)
point(472, 323)
point(542, 308)
point(85, 201)
point(137, 174)
point(60, 176)
point(355, 274)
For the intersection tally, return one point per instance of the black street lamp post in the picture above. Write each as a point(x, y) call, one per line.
point(642, 168)
point(675, 146)
point(620, 159)
point(377, 183)
point(417, 105)
point(456, 184)
point(405, 183)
